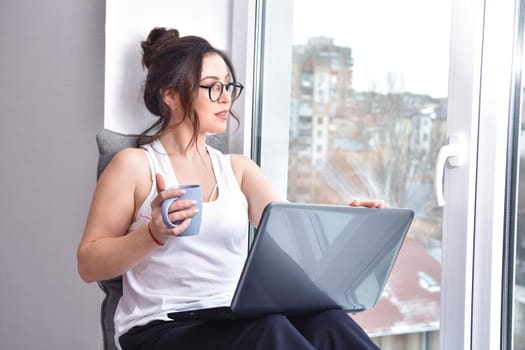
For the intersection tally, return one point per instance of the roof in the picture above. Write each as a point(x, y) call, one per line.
point(411, 300)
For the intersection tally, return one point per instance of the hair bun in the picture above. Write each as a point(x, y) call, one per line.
point(157, 39)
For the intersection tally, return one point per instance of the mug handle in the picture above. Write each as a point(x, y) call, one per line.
point(164, 210)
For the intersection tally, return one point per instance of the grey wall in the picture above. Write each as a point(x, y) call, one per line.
point(51, 107)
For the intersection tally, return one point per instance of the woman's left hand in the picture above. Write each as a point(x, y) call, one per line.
point(371, 203)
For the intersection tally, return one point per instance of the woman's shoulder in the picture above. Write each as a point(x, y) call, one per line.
point(131, 156)
point(242, 165)
point(126, 174)
point(240, 161)
point(129, 161)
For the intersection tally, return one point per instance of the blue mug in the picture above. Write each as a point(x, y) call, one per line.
point(192, 192)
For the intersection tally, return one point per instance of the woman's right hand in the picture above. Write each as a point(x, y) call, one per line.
point(180, 210)
point(370, 203)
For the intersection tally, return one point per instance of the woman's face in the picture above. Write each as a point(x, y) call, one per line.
point(213, 116)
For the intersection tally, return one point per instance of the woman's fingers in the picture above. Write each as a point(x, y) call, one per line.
point(182, 214)
point(375, 203)
point(180, 211)
point(161, 184)
point(170, 193)
point(164, 193)
point(181, 218)
point(180, 227)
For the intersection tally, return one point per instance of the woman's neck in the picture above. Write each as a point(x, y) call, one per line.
point(180, 144)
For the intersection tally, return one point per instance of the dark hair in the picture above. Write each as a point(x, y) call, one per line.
point(174, 62)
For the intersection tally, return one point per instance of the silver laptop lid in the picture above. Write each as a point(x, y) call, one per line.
point(308, 257)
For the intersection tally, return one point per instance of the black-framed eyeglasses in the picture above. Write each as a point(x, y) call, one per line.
point(215, 90)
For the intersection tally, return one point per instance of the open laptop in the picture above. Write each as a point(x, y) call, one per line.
point(312, 257)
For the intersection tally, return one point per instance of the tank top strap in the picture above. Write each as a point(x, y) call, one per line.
point(226, 179)
point(161, 162)
point(152, 161)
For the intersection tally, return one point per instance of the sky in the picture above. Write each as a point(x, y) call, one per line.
point(408, 39)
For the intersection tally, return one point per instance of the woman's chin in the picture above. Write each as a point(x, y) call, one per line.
point(216, 131)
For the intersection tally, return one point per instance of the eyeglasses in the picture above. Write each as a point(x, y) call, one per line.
point(215, 90)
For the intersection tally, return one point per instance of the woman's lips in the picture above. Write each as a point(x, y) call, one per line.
point(223, 114)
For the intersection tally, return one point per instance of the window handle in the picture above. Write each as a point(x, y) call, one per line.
point(453, 152)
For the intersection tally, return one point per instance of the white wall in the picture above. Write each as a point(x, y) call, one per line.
point(223, 23)
point(51, 98)
point(127, 24)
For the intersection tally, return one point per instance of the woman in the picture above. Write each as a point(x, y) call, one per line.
point(190, 87)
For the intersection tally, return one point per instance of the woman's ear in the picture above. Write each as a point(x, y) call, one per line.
point(171, 98)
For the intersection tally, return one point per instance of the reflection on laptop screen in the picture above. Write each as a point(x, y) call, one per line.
point(347, 252)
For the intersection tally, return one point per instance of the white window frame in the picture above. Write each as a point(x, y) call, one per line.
point(274, 80)
point(501, 60)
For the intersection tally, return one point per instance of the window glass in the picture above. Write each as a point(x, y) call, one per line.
point(368, 107)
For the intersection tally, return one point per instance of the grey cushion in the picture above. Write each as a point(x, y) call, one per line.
point(109, 143)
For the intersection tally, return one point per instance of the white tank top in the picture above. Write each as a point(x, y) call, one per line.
point(188, 272)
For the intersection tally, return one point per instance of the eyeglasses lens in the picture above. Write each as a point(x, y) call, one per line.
point(233, 90)
point(216, 91)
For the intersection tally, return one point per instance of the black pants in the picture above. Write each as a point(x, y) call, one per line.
point(331, 329)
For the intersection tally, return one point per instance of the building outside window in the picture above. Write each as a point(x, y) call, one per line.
point(363, 125)
point(372, 145)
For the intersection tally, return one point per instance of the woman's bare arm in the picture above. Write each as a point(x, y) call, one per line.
point(257, 189)
point(106, 249)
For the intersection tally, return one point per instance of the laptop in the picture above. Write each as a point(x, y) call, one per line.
point(311, 257)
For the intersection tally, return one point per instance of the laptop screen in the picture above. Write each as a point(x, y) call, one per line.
point(343, 253)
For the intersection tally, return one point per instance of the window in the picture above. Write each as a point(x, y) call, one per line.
point(402, 115)
point(378, 103)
